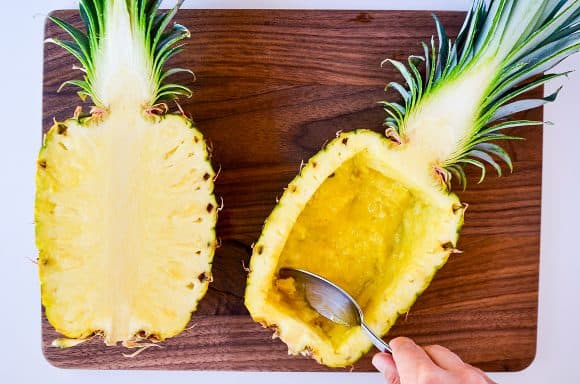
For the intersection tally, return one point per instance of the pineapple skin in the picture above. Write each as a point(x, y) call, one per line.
point(267, 297)
point(94, 292)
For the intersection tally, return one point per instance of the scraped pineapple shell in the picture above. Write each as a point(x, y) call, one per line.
point(363, 215)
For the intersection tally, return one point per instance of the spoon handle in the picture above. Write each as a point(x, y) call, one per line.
point(377, 341)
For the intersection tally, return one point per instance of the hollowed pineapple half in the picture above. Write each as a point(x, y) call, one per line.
point(125, 211)
point(374, 213)
point(357, 217)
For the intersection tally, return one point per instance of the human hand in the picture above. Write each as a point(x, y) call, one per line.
point(411, 364)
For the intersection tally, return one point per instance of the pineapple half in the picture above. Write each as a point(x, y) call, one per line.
point(125, 211)
point(374, 213)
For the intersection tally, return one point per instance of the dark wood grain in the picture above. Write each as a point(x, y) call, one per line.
point(272, 87)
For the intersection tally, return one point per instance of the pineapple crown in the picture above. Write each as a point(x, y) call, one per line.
point(524, 38)
point(149, 36)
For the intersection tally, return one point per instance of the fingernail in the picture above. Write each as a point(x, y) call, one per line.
point(379, 363)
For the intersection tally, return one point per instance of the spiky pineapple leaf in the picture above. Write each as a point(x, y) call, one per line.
point(160, 40)
point(528, 38)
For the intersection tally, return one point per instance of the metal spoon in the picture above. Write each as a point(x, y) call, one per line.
point(332, 302)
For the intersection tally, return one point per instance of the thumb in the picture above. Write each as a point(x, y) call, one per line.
point(385, 364)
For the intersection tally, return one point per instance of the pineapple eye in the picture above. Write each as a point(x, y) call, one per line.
point(61, 129)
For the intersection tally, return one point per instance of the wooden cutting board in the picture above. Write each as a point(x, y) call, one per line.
point(272, 87)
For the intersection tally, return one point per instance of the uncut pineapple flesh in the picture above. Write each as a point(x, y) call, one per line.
point(124, 234)
point(125, 211)
point(374, 212)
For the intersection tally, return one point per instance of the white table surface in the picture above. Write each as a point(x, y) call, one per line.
point(20, 94)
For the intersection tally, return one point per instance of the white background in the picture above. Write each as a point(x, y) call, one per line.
point(20, 122)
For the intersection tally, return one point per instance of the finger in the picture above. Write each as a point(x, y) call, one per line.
point(487, 378)
point(444, 358)
point(410, 359)
point(385, 364)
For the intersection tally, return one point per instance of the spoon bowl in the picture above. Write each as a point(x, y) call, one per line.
point(332, 302)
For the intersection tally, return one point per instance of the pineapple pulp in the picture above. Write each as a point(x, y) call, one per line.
point(362, 221)
point(125, 222)
point(360, 227)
